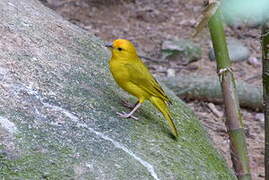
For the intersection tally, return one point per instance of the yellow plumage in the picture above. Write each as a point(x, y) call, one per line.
point(133, 76)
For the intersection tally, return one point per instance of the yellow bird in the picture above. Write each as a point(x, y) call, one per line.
point(134, 77)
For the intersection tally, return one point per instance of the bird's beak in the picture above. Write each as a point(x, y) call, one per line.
point(109, 45)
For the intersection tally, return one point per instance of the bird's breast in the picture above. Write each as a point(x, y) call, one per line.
point(119, 72)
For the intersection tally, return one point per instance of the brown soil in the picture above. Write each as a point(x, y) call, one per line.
point(148, 24)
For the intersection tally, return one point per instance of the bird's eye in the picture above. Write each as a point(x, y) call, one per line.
point(120, 49)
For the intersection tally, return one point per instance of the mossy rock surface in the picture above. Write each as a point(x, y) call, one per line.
point(58, 109)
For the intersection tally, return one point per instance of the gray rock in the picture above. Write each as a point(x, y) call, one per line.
point(245, 12)
point(58, 107)
point(259, 117)
point(254, 61)
point(237, 51)
point(181, 50)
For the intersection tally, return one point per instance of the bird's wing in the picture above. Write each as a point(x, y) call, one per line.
point(140, 76)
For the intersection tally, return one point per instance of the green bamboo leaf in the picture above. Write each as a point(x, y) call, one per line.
point(209, 11)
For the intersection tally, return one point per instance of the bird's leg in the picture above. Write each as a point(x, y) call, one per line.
point(128, 105)
point(130, 114)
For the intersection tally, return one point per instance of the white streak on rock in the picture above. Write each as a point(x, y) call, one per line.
point(8, 125)
point(66, 113)
point(122, 147)
point(62, 110)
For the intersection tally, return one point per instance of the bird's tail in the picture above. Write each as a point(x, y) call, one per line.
point(162, 107)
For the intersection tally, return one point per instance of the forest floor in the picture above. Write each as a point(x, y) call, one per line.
point(148, 24)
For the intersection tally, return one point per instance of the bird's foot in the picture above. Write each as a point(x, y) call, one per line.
point(126, 115)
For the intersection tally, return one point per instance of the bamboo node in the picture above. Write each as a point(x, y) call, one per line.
point(223, 70)
point(243, 175)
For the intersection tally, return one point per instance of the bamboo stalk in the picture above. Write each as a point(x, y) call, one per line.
point(265, 76)
point(234, 120)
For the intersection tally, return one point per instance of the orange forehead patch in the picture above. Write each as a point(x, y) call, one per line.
point(124, 44)
point(118, 42)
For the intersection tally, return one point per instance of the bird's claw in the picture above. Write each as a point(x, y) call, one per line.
point(126, 115)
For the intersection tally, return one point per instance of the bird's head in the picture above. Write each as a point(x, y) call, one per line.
point(122, 48)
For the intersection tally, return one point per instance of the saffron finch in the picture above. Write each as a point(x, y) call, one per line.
point(133, 76)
